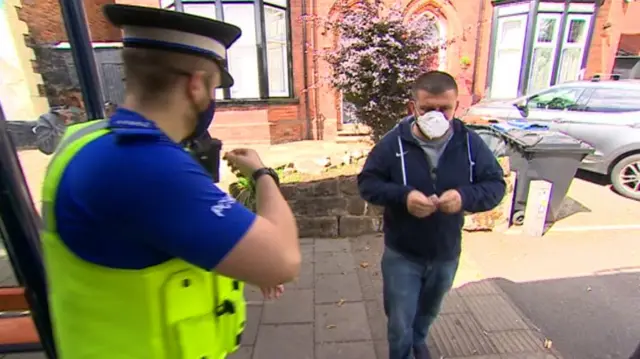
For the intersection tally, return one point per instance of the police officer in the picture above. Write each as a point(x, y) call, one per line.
point(140, 246)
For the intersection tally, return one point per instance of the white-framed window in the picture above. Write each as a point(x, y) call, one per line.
point(544, 51)
point(277, 51)
point(573, 46)
point(207, 10)
point(507, 59)
point(242, 57)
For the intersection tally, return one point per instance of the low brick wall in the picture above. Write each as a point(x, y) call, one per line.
point(331, 208)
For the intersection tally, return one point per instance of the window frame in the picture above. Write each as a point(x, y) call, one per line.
point(566, 45)
point(555, 38)
point(613, 108)
point(261, 48)
point(579, 103)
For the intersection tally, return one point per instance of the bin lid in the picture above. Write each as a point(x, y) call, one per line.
point(493, 140)
point(518, 124)
point(546, 140)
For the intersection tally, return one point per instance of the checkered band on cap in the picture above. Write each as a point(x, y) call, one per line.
point(173, 40)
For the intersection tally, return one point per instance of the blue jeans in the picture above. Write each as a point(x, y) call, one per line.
point(413, 293)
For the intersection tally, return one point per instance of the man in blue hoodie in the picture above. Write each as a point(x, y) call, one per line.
point(426, 173)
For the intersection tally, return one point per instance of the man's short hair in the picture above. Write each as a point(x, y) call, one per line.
point(434, 82)
point(152, 74)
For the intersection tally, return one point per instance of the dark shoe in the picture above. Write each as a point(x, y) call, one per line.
point(421, 352)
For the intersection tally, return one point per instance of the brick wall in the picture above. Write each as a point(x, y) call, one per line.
point(49, 28)
point(277, 123)
point(331, 208)
point(461, 19)
point(614, 18)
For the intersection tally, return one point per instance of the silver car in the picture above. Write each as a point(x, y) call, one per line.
point(604, 114)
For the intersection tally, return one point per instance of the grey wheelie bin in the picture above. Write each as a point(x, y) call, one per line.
point(542, 155)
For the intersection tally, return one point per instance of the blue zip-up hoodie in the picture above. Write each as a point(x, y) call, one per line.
point(397, 165)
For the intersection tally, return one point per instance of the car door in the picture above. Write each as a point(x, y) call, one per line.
point(606, 122)
point(555, 106)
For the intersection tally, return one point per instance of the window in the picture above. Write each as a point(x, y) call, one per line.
point(556, 99)
point(276, 33)
point(243, 55)
point(543, 52)
point(245, 58)
point(614, 100)
point(508, 56)
point(205, 10)
point(573, 47)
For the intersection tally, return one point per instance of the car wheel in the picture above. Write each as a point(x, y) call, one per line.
point(625, 177)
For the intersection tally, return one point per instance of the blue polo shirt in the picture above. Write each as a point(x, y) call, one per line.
point(134, 198)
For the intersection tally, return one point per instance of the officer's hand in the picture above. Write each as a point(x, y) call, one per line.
point(420, 205)
point(450, 202)
point(273, 292)
point(243, 160)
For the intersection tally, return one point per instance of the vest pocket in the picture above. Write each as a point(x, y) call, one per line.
point(188, 306)
point(197, 338)
point(231, 311)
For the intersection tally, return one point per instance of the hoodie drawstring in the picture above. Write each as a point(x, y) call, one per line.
point(402, 163)
point(403, 166)
point(472, 164)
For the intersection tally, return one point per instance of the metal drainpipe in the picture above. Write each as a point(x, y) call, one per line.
point(315, 68)
point(477, 50)
point(305, 71)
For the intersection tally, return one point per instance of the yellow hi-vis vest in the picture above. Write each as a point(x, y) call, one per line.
point(173, 310)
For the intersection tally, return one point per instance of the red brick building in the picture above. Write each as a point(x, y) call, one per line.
point(533, 43)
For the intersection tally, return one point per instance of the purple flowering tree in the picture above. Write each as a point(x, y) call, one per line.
point(378, 55)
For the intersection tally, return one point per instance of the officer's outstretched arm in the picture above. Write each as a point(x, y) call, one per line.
point(169, 202)
point(269, 253)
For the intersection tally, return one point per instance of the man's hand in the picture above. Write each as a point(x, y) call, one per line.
point(450, 202)
point(243, 160)
point(420, 205)
point(272, 292)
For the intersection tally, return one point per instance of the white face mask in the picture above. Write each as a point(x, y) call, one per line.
point(433, 124)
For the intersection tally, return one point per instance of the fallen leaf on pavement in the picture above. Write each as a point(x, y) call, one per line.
point(364, 264)
point(340, 302)
point(331, 326)
point(547, 343)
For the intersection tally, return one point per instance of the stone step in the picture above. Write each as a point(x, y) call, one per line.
point(352, 138)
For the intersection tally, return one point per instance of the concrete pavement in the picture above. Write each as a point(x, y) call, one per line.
point(582, 289)
point(334, 310)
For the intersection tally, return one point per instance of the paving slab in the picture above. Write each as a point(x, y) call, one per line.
point(333, 288)
point(285, 341)
point(305, 278)
point(479, 288)
point(517, 341)
point(332, 245)
point(295, 306)
point(377, 319)
point(334, 310)
point(347, 322)
point(334, 262)
point(458, 335)
point(352, 350)
point(251, 328)
point(494, 313)
point(453, 303)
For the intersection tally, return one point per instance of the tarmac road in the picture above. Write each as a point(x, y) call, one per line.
point(580, 284)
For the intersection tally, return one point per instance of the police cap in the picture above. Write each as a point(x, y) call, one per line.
point(153, 28)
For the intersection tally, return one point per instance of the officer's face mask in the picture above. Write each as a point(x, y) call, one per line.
point(204, 118)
